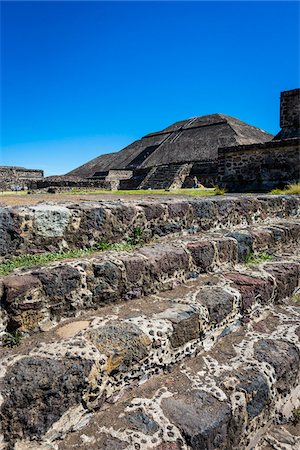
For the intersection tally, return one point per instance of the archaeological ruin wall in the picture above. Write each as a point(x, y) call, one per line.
point(259, 167)
point(18, 178)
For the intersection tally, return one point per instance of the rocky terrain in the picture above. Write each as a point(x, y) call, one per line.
point(189, 341)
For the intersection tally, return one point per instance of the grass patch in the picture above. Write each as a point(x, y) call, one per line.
point(192, 192)
point(44, 258)
point(296, 298)
point(296, 416)
point(257, 258)
point(219, 191)
point(291, 189)
point(12, 340)
point(13, 192)
point(75, 191)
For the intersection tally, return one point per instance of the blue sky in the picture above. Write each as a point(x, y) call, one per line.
point(84, 78)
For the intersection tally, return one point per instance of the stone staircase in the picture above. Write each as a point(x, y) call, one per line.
point(179, 344)
point(166, 177)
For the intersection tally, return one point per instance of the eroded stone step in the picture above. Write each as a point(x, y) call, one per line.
point(281, 437)
point(52, 227)
point(37, 297)
point(226, 398)
point(54, 379)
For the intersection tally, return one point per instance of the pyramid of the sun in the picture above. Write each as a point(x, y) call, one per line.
point(196, 139)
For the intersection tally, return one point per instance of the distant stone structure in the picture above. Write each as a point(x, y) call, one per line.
point(172, 157)
point(261, 167)
point(14, 178)
point(216, 149)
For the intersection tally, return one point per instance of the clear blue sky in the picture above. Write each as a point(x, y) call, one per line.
point(84, 78)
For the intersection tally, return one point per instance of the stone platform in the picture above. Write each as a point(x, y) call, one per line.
point(61, 226)
point(180, 344)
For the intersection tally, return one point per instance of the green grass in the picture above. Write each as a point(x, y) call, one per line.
point(253, 258)
point(296, 298)
point(44, 258)
point(12, 340)
point(296, 416)
point(293, 189)
point(13, 192)
point(192, 192)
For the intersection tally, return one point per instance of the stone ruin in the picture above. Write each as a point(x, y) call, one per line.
point(187, 339)
point(167, 324)
point(217, 149)
point(18, 178)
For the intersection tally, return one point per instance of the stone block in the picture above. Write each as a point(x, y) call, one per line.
point(227, 250)
point(218, 302)
point(59, 281)
point(203, 254)
point(287, 277)
point(185, 321)
point(244, 242)
point(37, 391)
point(123, 343)
point(255, 387)
point(202, 419)
point(252, 289)
point(165, 260)
point(284, 357)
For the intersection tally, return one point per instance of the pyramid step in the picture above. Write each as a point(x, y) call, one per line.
point(247, 364)
point(225, 398)
point(37, 297)
point(66, 226)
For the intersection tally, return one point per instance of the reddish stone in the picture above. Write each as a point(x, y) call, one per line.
point(203, 254)
point(251, 289)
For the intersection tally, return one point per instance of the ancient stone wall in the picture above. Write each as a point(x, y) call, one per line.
point(63, 226)
point(206, 173)
point(290, 109)
point(18, 178)
point(65, 183)
point(259, 167)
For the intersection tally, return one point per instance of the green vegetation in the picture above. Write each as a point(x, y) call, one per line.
point(219, 191)
point(82, 191)
point(137, 237)
point(290, 189)
point(296, 298)
point(296, 416)
point(192, 192)
point(13, 192)
point(11, 340)
point(257, 258)
point(44, 258)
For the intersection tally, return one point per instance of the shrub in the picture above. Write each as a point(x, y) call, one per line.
point(291, 189)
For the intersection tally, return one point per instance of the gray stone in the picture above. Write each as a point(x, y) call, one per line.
point(285, 359)
point(142, 422)
point(203, 420)
point(37, 391)
point(218, 301)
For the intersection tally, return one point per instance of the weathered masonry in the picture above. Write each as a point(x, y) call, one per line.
point(18, 178)
point(179, 344)
point(261, 167)
point(172, 157)
point(217, 149)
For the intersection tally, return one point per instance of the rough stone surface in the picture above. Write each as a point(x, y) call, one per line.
point(123, 344)
point(37, 391)
point(252, 288)
point(206, 431)
point(218, 301)
point(52, 227)
point(284, 357)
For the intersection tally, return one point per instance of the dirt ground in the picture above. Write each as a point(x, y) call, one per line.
point(33, 199)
